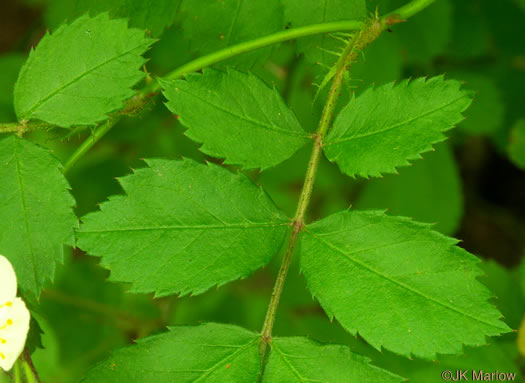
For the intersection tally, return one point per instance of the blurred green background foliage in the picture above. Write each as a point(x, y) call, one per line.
point(472, 187)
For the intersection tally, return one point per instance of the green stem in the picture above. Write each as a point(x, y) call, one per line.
point(349, 56)
point(18, 373)
point(279, 37)
point(99, 132)
point(10, 127)
point(21, 128)
point(410, 9)
point(29, 374)
point(29, 367)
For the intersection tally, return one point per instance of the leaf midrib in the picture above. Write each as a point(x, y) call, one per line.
point(291, 133)
point(231, 357)
point(189, 227)
point(400, 284)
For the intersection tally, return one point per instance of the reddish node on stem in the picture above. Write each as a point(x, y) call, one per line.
point(393, 19)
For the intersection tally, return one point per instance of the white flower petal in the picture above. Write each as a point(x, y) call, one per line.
point(14, 326)
point(7, 281)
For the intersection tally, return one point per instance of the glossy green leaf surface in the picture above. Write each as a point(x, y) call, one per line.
point(380, 275)
point(81, 72)
point(297, 360)
point(224, 353)
point(36, 212)
point(209, 353)
point(237, 117)
point(184, 227)
point(388, 126)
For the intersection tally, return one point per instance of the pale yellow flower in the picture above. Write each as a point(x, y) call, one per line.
point(14, 317)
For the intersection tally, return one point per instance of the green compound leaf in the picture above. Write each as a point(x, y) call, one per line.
point(210, 353)
point(184, 227)
point(237, 117)
point(36, 215)
point(214, 25)
point(387, 126)
point(81, 73)
point(297, 360)
point(380, 276)
point(320, 49)
point(218, 353)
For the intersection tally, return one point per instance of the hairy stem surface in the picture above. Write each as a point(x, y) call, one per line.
point(89, 142)
point(279, 37)
point(11, 127)
point(21, 128)
point(360, 41)
point(350, 55)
